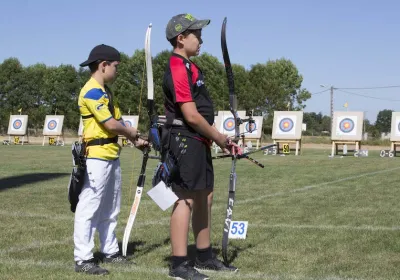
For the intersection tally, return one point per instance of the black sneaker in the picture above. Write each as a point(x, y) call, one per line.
point(116, 258)
point(214, 264)
point(187, 272)
point(90, 267)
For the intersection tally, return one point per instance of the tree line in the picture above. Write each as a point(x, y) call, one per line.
point(41, 90)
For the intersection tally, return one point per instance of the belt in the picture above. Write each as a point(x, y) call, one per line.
point(102, 141)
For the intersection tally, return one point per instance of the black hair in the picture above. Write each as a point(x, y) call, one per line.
point(95, 65)
point(174, 41)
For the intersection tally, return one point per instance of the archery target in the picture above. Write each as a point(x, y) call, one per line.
point(287, 125)
point(128, 123)
point(53, 125)
point(131, 121)
point(229, 124)
point(17, 125)
point(225, 123)
point(256, 128)
point(346, 125)
point(250, 127)
point(395, 131)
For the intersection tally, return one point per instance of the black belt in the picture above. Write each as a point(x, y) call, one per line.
point(102, 141)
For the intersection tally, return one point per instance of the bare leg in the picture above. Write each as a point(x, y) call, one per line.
point(201, 219)
point(179, 225)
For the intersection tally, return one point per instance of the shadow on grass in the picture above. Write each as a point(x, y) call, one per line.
point(21, 180)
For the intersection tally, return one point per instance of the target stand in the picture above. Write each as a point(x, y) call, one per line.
point(335, 146)
point(287, 129)
point(52, 129)
point(286, 146)
point(346, 130)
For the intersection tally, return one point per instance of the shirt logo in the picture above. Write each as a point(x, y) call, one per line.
point(98, 107)
point(200, 83)
point(188, 65)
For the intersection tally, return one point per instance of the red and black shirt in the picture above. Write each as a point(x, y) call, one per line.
point(184, 82)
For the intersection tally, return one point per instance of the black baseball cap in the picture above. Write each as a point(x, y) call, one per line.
point(182, 22)
point(102, 52)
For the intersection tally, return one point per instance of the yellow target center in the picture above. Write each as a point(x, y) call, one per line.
point(285, 124)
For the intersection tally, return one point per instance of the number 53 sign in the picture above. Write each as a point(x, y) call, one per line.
point(238, 230)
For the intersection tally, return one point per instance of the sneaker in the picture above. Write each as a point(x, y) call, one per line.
point(214, 264)
point(187, 272)
point(116, 258)
point(90, 267)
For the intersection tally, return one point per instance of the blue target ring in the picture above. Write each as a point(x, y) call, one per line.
point(52, 125)
point(128, 124)
point(286, 124)
point(229, 124)
point(17, 124)
point(253, 127)
point(346, 125)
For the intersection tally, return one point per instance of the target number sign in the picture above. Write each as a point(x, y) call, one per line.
point(52, 141)
point(286, 149)
point(16, 140)
point(386, 153)
point(238, 230)
point(124, 142)
point(361, 153)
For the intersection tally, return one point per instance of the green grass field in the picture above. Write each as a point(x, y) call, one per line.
point(310, 217)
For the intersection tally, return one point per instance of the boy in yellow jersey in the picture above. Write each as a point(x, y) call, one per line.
point(100, 198)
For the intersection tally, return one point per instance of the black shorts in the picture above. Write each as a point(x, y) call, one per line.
point(195, 168)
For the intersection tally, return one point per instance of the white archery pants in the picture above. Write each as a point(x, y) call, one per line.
point(98, 208)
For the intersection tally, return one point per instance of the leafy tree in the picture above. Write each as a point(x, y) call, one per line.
point(383, 121)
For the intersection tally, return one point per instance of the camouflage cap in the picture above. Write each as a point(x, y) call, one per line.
point(182, 22)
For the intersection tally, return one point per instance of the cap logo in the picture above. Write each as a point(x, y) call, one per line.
point(189, 17)
point(178, 27)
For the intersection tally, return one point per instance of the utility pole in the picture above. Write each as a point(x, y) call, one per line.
point(332, 108)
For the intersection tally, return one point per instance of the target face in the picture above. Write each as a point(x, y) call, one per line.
point(286, 125)
point(128, 123)
point(17, 124)
point(229, 124)
point(251, 127)
point(52, 125)
point(346, 125)
point(398, 127)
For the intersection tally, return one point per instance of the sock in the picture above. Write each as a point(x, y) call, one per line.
point(204, 254)
point(178, 260)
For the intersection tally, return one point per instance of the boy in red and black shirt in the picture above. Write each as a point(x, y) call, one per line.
point(187, 99)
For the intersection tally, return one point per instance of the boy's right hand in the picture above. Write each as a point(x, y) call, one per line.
point(222, 141)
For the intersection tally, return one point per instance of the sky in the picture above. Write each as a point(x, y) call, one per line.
point(349, 44)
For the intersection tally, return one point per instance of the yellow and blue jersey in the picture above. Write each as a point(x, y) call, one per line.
point(93, 105)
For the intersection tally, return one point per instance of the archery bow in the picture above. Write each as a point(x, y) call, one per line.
point(235, 139)
point(146, 150)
